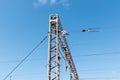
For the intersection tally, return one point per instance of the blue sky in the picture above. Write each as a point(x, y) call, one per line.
point(23, 23)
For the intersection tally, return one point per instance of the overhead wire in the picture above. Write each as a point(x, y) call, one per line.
point(101, 78)
point(85, 55)
point(25, 57)
point(61, 55)
point(98, 54)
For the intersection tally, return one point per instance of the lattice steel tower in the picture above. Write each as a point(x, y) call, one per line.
point(56, 42)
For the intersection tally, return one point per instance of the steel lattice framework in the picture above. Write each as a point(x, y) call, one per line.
point(56, 42)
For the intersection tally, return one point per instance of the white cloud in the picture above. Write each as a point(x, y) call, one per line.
point(53, 1)
point(42, 2)
point(39, 3)
point(64, 3)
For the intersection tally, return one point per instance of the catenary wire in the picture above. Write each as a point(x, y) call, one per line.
point(101, 78)
point(25, 57)
point(85, 55)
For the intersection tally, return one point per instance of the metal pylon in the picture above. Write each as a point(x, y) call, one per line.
point(53, 48)
point(56, 42)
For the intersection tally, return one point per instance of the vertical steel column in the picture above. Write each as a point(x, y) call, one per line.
point(53, 48)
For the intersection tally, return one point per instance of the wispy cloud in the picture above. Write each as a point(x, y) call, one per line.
point(40, 3)
point(43, 2)
point(64, 3)
point(53, 2)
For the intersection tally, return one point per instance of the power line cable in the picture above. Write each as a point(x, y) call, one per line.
point(101, 78)
point(111, 53)
point(25, 57)
point(16, 61)
point(85, 55)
